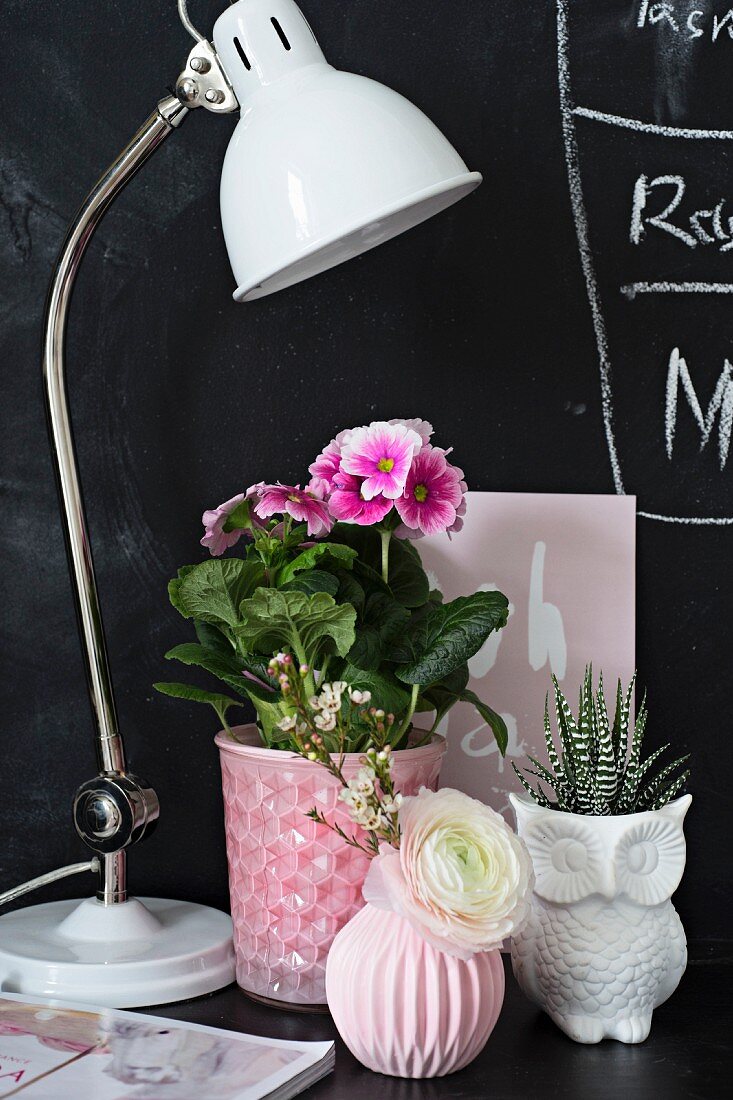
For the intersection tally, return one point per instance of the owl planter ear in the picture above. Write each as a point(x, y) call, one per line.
point(650, 853)
point(677, 809)
point(524, 811)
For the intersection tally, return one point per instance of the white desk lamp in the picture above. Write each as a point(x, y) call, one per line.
point(322, 166)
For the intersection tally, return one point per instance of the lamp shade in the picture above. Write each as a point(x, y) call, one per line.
point(323, 165)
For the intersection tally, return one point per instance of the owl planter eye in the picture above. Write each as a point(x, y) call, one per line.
point(566, 856)
point(650, 859)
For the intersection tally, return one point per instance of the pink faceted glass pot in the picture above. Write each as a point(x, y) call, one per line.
point(293, 883)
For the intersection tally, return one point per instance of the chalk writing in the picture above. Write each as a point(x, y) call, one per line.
point(721, 404)
point(687, 20)
point(706, 226)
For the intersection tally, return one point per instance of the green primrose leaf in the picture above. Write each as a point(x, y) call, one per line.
point(380, 622)
point(387, 691)
point(212, 637)
point(213, 590)
point(311, 626)
point(268, 715)
point(408, 580)
point(308, 558)
point(317, 580)
point(448, 634)
point(220, 703)
point(227, 667)
point(494, 721)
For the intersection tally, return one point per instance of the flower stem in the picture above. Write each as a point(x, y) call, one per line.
point(385, 536)
point(411, 710)
point(310, 682)
point(324, 670)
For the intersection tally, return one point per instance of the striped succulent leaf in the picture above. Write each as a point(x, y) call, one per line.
point(549, 742)
point(599, 770)
point(668, 793)
point(537, 795)
point(650, 760)
point(630, 785)
point(621, 721)
point(574, 740)
point(652, 791)
point(606, 766)
point(586, 716)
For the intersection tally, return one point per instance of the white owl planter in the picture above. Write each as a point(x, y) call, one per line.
point(604, 944)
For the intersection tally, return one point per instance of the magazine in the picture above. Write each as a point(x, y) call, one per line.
point(52, 1050)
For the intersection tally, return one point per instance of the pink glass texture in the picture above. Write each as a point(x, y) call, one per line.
point(293, 883)
point(404, 1008)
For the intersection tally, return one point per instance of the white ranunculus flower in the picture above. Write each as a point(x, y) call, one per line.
point(461, 877)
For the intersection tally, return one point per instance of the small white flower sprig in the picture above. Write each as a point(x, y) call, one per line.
point(320, 727)
point(446, 863)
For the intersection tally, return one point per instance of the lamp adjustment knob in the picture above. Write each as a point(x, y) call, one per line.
point(101, 816)
point(113, 811)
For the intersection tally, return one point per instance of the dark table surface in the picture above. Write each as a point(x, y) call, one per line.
point(687, 1054)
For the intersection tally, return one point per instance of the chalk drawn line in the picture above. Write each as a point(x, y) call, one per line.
point(568, 113)
point(636, 124)
point(632, 289)
point(581, 231)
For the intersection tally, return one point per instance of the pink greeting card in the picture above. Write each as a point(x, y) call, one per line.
point(567, 565)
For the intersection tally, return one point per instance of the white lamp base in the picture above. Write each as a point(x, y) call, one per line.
point(142, 952)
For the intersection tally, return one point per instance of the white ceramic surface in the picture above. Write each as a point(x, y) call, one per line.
point(147, 951)
point(323, 165)
point(604, 945)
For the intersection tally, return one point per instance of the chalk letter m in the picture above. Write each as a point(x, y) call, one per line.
point(720, 403)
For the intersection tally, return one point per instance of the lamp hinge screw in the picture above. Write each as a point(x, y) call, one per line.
point(213, 95)
point(200, 64)
point(187, 90)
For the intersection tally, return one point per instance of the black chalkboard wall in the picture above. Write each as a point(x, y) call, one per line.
point(478, 320)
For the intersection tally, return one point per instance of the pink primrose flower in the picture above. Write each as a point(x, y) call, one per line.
point(382, 455)
point(215, 538)
point(432, 500)
point(348, 503)
point(299, 503)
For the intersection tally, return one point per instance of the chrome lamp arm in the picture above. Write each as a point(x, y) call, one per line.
point(116, 809)
point(168, 115)
point(108, 815)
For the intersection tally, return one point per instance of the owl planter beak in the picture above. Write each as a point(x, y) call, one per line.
point(606, 881)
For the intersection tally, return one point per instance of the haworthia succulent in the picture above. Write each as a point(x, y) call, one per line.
point(599, 770)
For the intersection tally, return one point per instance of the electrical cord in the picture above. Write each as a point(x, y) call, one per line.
point(44, 880)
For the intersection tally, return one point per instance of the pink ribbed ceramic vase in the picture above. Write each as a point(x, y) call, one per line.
point(293, 884)
point(404, 1008)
